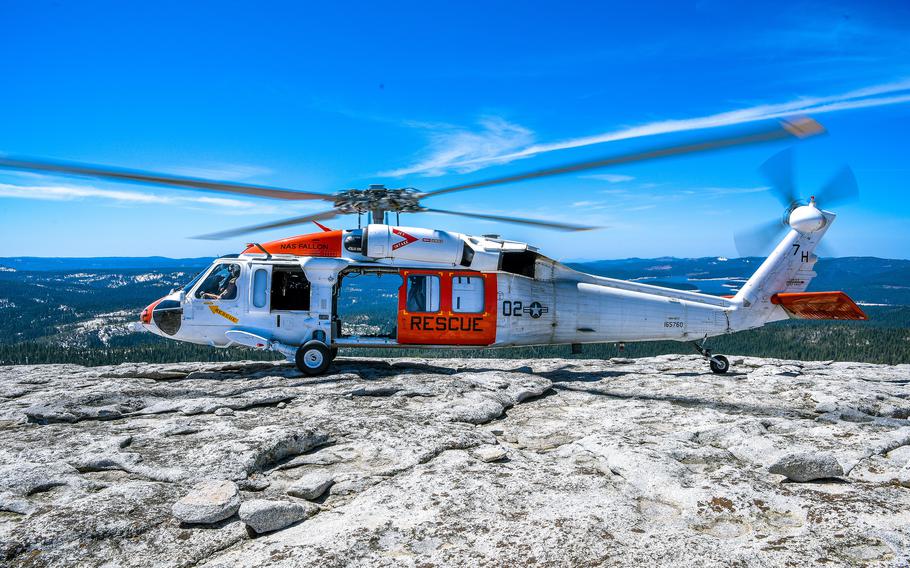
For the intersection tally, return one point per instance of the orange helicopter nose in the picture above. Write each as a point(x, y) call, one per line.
point(164, 315)
point(146, 315)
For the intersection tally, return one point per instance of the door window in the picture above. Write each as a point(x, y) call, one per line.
point(467, 294)
point(221, 283)
point(290, 289)
point(260, 287)
point(423, 293)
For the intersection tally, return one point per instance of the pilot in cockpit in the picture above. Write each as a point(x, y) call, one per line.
point(221, 284)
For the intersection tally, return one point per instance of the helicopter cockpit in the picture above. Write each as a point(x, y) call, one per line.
point(283, 298)
point(221, 283)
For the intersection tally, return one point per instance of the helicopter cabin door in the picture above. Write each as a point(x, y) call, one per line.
point(446, 307)
point(289, 300)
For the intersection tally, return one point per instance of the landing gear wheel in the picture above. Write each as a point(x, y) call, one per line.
point(313, 358)
point(719, 364)
point(333, 352)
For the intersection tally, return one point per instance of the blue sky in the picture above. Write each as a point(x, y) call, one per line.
point(328, 96)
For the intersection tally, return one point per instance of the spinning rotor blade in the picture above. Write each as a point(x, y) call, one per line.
point(515, 220)
point(842, 188)
point(799, 128)
point(757, 240)
point(151, 178)
point(273, 225)
point(778, 170)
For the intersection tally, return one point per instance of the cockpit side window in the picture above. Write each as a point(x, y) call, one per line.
point(221, 283)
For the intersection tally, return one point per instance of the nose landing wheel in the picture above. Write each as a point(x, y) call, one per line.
point(313, 357)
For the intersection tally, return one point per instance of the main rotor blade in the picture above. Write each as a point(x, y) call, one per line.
point(757, 240)
point(516, 220)
point(798, 128)
point(273, 225)
point(151, 178)
point(842, 188)
point(778, 170)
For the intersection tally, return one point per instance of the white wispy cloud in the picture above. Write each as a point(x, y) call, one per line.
point(722, 191)
point(461, 150)
point(612, 178)
point(451, 145)
point(123, 197)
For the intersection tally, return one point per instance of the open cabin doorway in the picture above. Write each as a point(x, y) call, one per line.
point(366, 303)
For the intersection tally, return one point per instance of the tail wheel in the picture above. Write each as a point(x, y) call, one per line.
point(313, 357)
point(719, 364)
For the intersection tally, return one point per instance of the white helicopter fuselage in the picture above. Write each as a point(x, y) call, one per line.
point(462, 291)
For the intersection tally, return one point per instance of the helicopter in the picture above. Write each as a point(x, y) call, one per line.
point(466, 291)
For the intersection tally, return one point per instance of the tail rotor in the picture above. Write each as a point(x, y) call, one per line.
point(779, 171)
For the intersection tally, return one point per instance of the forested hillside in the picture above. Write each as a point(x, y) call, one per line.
point(79, 311)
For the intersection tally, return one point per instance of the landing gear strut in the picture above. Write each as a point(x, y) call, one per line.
point(718, 363)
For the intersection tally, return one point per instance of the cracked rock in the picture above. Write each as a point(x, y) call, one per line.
point(265, 516)
point(208, 502)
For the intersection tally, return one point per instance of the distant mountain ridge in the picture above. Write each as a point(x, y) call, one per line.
point(869, 280)
point(50, 264)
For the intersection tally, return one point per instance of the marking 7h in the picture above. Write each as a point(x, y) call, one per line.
point(805, 257)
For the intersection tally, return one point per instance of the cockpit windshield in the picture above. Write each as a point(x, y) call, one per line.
point(221, 283)
point(186, 289)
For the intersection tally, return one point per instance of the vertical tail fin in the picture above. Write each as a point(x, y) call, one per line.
point(789, 268)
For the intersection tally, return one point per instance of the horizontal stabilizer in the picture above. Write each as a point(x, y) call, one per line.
point(819, 305)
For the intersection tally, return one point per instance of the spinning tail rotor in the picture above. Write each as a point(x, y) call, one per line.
point(798, 212)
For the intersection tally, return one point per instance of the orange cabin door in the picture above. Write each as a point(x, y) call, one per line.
point(446, 307)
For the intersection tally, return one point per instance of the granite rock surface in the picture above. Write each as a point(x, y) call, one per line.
point(460, 462)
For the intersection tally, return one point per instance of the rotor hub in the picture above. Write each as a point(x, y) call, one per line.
point(378, 198)
point(807, 218)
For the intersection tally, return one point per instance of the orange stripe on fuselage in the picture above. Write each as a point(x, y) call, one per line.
point(327, 243)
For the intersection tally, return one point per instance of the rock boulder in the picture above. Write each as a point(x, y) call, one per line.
point(311, 486)
point(807, 466)
point(208, 502)
point(263, 515)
